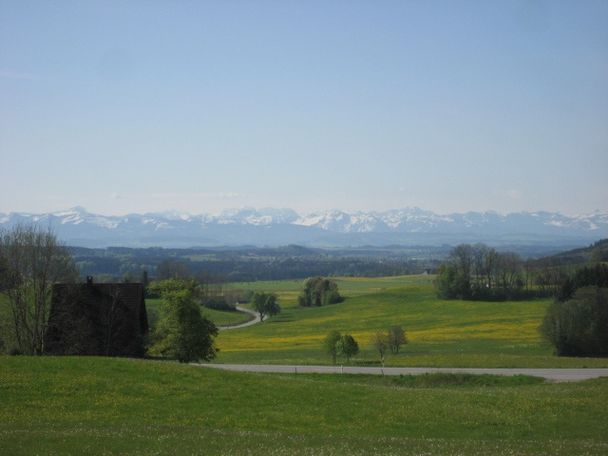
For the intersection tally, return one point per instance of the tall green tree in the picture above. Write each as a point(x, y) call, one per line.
point(182, 332)
point(265, 304)
point(347, 346)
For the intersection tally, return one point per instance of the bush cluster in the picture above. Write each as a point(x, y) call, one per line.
point(579, 326)
point(319, 291)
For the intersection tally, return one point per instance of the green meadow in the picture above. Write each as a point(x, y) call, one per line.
point(221, 318)
point(441, 333)
point(92, 405)
point(76, 405)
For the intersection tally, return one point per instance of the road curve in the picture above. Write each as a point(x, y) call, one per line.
point(554, 375)
point(256, 319)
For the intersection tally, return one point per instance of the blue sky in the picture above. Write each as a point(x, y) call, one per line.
point(197, 106)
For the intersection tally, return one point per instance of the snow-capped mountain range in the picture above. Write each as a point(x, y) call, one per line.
point(336, 228)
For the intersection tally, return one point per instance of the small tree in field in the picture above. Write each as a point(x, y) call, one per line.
point(347, 346)
point(381, 344)
point(396, 338)
point(330, 344)
point(182, 332)
point(265, 304)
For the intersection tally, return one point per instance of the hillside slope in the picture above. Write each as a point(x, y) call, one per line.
point(597, 251)
point(445, 333)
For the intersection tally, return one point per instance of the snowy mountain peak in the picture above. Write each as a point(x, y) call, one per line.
point(270, 226)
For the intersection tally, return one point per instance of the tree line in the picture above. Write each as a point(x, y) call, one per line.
point(251, 264)
point(576, 322)
point(336, 344)
point(479, 272)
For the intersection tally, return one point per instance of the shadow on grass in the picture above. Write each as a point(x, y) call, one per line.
point(434, 380)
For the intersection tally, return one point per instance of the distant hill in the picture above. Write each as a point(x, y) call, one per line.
point(276, 227)
point(597, 251)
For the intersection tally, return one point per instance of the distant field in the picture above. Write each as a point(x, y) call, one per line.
point(93, 405)
point(288, 290)
point(442, 333)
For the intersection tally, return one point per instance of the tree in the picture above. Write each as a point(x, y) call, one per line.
point(182, 332)
point(596, 275)
point(480, 272)
point(265, 304)
point(319, 291)
point(445, 281)
point(33, 260)
point(579, 326)
point(396, 338)
point(3, 273)
point(347, 346)
point(330, 344)
point(380, 341)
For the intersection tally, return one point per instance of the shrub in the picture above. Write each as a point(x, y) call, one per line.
point(579, 326)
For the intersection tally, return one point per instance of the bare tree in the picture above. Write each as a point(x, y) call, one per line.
point(380, 341)
point(34, 261)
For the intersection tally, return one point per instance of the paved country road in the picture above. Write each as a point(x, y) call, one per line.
point(256, 319)
point(555, 375)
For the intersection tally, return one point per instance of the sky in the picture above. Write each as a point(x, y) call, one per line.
point(198, 106)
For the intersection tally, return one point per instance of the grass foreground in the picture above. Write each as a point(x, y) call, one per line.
point(69, 405)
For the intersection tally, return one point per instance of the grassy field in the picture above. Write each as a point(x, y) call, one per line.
point(288, 290)
point(441, 333)
point(219, 317)
point(95, 405)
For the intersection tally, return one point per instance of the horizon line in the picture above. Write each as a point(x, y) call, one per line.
point(163, 212)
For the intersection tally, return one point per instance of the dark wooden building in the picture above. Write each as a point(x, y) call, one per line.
point(106, 319)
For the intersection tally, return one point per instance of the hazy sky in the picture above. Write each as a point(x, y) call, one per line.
point(196, 106)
